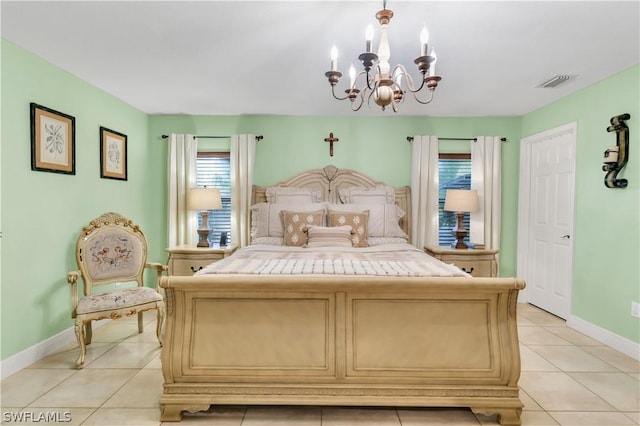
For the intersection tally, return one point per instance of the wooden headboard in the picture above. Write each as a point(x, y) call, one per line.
point(330, 179)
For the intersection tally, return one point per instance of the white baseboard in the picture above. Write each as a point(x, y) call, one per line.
point(619, 343)
point(25, 358)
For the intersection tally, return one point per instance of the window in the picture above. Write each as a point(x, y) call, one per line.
point(213, 169)
point(454, 173)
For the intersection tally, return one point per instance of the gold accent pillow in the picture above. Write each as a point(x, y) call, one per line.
point(358, 222)
point(295, 225)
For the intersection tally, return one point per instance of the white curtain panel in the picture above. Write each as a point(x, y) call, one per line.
point(424, 191)
point(183, 223)
point(243, 154)
point(486, 179)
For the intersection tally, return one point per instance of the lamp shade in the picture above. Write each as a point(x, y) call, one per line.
point(461, 200)
point(204, 199)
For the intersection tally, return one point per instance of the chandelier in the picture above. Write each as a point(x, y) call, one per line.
point(386, 86)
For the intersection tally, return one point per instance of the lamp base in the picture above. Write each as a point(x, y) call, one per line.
point(459, 244)
point(460, 233)
point(204, 238)
point(205, 230)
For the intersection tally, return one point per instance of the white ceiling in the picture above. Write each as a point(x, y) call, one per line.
point(269, 57)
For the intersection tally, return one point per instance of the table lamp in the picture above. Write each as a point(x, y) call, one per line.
point(204, 199)
point(460, 201)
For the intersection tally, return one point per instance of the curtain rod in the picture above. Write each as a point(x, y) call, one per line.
point(410, 139)
point(258, 138)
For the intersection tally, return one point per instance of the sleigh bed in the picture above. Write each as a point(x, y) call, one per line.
point(378, 324)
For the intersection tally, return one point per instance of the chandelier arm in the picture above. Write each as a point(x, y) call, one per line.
point(370, 95)
point(421, 101)
point(372, 79)
point(409, 80)
point(419, 88)
point(333, 92)
point(410, 85)
point(357, 77)
point(360, 104)
point(369, 81)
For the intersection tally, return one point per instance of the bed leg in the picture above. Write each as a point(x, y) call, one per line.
point(506, 416)
point(171, 412)
point(509, 417)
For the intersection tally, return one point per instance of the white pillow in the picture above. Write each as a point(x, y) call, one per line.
point(288, 194)
point(383, 218)
point(379, 194)
point(266, 220)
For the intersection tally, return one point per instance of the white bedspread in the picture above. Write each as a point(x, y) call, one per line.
point(402, 260)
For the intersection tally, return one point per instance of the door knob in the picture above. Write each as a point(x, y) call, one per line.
point(566, 236)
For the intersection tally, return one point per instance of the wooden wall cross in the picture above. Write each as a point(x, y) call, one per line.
point(331, 141)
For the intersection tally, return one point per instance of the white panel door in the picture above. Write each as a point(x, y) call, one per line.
point(546, 230)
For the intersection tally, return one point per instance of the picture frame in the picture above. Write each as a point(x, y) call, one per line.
point(113, 154)
point(53, 140)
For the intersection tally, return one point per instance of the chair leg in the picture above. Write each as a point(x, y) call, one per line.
point(160, 323)
point(88, 333)
point(140, 323)
point(80, 336)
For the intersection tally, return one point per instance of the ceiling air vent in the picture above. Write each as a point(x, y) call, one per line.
point(555, 81)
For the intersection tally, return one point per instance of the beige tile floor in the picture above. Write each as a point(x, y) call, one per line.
point(567, 379)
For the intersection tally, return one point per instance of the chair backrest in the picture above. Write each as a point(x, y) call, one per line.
point(111, 249)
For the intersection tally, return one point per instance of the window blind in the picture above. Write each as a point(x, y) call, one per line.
point(454, 173)
point(213, 170)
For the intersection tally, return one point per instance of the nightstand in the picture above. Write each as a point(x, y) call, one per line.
point(477, 262)
point(187, 260)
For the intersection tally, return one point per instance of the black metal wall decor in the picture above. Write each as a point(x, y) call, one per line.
point(616, 157)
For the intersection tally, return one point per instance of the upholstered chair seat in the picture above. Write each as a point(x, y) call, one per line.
point(118, 299)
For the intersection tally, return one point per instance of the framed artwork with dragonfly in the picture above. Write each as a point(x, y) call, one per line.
point(53, 141)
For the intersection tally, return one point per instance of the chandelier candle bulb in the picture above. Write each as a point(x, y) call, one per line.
point(334, 58)
point(432, 67)
point(424, 41)
point(368, 38)
point(352, 76)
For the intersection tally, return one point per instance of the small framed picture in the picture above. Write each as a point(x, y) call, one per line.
point(113, 154)
point(53, 141)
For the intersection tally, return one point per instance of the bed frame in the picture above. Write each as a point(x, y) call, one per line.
point(341, 340)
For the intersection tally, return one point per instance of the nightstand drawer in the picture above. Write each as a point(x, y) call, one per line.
point(186, 261)
point(188, 266)
point(476, 269)
point(477, 262)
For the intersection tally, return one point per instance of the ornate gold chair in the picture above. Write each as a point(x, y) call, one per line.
point(112, 250)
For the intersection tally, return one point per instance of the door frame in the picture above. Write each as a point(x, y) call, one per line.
point(524, 195)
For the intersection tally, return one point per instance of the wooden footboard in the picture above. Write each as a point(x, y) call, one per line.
point(360, 341)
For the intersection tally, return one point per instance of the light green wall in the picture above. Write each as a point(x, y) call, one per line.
point(607, 225)
point(43, 213)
